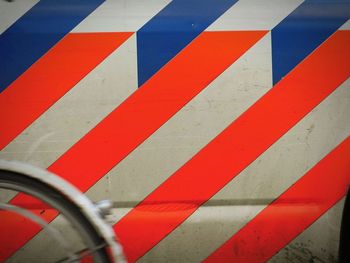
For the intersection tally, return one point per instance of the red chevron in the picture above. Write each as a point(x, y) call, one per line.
point(292, 212)
point(139, 116)
point(237, 146)
point(51, 77)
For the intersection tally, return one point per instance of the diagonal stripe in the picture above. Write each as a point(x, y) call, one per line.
point(11, 11)
point(292, 212)
point(271, 174)
point(191, 128)
point(145, 168)
point(51, 77)
point(13, 235)
point(254, 15)
point(345, 26)
point(321, 238)
point(235, 148)
point(63, 124)
point(36, 32)
point(141, 114)
point(303, 30)
point(150, 107)
point(121, 16)
point(168, 32)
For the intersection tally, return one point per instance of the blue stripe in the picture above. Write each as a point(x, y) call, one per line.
point(36, 32)
point(167, 33)
point(303, 31)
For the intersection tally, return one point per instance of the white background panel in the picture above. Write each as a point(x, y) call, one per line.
point(190, 129)
point(178, 140)
point(346, 26)
point(318, 243)
point(260, 183)
point(11, 11)
point(42, 248)
point(121, 16)
point(254, 15)
point(50, 252)
point(78, 111)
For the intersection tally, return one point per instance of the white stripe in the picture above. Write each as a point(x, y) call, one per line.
point(254, 15)
point(265, 179)
point(346, 26)
point(43, 246)
point(121, 16)
point(318, 243)
point(190, 129)
point(10, 12)
point(78, 111)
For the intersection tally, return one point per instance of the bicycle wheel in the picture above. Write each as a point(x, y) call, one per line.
point(95, 238)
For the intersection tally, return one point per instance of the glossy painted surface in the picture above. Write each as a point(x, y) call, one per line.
point(237, 146)
point(208, 142)
point(113, 134)
point(173, 28)
point(39, 29)
point(82, 53)
point(302, 31)
point(292, 212)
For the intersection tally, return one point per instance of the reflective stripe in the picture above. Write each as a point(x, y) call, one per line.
point(237, 146)
point(173, 28)
point(292, 212)
point(36, 32)
point(304, 30)
point(140, 115)
point(51, 77)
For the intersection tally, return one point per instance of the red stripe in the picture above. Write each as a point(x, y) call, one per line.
point(14, 230)
point(143, 113)
point(33, 93)
point(237, 146)
point(152, 105)
point(51, 77)
point(289, 215)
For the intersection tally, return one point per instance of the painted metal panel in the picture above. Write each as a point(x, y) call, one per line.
point(302, 31)
point(39, 29)
point(143, 137)
point(10, 12)
point(254, 15)
point(259, 184)
point(173, 28)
